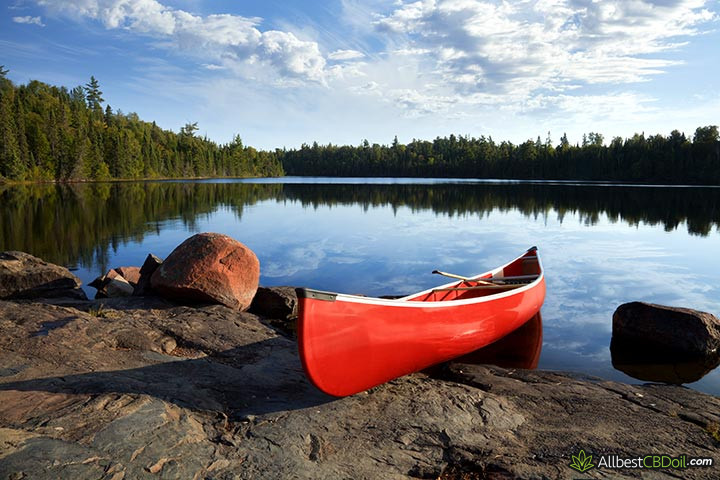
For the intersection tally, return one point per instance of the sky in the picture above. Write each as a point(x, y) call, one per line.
point(282, 73)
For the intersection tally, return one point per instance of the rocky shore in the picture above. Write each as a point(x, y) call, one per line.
point(142, 387)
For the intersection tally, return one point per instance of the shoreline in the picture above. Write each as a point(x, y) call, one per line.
point(140, 387)
point(114, 180)
point(373, 179)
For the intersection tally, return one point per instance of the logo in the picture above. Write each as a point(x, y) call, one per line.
point(582, 462)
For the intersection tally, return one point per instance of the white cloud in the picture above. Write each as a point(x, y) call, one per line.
point(29, 20)
point(345, 55)
point(524, 46)
point(291, 55)
point(232, 40)
point(513, 49)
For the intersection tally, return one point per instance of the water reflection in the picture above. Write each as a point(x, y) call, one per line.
point(80, 223)
point(519, 349)
point(658, 366)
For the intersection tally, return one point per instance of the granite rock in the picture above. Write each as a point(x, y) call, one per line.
point(25, 276)
point(209, 268)
point(102, 396)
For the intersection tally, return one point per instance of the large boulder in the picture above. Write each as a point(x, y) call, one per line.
point(25, 276)
point(679, 334)
point(209, 267)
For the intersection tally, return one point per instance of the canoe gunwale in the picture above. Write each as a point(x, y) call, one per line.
point(406, 302)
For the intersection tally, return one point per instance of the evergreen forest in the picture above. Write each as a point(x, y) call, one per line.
point(50, 133)
point(657, 159)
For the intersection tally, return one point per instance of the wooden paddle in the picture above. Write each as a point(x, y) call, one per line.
point(491, 286)
point(459, 277)
point(491, 280)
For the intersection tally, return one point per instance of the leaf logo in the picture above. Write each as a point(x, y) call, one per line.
point(581, 462)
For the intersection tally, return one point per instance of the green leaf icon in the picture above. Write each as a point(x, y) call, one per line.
point(581, 462)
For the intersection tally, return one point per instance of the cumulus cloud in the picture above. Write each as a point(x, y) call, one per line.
point(524, 46)
point(291, 55)
point(232, 40)
point(456, 58)
point(29, 20)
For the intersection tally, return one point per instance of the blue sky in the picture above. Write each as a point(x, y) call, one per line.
point(280, 73)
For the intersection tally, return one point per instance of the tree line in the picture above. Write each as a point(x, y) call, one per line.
point(52, 133)
point(669, 159)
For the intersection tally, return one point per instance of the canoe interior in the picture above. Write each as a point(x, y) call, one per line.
point(526, 266)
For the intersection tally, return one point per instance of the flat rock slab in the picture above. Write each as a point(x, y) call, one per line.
point(101, 396)
point(25, 276)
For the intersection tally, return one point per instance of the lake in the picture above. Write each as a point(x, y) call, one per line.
point(601, 245)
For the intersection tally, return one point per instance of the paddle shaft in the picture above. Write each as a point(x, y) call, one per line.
point(486, 281)
point(481, 287)
point(459, 277)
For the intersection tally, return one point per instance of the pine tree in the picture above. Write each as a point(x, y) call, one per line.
point(108, 116)
point(93, 95)
point(189, 129)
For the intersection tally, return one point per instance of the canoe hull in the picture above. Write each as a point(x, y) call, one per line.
point(349, 344)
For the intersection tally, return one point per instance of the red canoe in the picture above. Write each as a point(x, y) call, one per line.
point(350, 343)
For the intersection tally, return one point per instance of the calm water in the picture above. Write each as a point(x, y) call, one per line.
point(601, 245)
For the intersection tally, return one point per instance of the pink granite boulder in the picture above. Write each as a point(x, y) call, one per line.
point(209, 267)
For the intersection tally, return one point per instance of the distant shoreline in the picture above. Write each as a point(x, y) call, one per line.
point(372, 180)
point(4, 181)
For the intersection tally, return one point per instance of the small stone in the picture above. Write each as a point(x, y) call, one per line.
point(168, 344)
point(131, 274)
point(275, 302)
point(118, 287)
